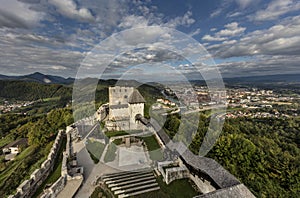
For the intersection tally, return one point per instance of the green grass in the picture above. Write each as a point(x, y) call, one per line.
point(95, 150)
point(111, 153)
point(110, 134)
point(16, 162)
point(151, 142)
point(177, 189)
point(118, 141)
point(153, 148)
point(6, 140)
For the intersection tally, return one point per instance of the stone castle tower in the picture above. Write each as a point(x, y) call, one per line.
point(124, 104)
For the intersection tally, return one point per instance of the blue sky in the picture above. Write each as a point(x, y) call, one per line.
point(245, 37)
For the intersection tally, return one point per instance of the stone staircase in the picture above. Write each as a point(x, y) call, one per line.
point(126, 184)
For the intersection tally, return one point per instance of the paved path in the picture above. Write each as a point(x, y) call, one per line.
point(91, 170)
point(97, 124)
point(70, 188)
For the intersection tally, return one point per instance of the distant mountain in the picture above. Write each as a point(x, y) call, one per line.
point(288, 78)
point(39, 77)
point(50, 79)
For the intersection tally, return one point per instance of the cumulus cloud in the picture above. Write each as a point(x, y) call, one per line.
point(24, 54)
point(231, 29)
point(263, 65)
point(71, 10)
point(16, 14)
point(185, 20)
point(211, 38)
point(281, 39)
point(275, 9)
point(133, 21)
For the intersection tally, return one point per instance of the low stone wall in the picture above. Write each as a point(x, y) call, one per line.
point(28, 187)
point(176, 173)
point(55, 188)
point(203, 185)
point(59, 185)
point(172, 173)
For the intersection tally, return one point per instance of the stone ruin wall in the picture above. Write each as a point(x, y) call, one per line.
point(59, 185)
point(28, 187)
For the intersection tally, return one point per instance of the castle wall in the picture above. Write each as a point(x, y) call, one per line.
point(28, 187)
point(118, 113)
point(60, 184)
point(119, 95)
point(135, 109)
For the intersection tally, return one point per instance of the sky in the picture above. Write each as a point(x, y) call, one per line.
point(243, 37)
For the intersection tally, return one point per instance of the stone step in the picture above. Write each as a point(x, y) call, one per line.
point(129, 178)
point(138, 192)
point(135, 188)
point(125, 173)
point(131, 185)
point(131, 181)
point(124, 176)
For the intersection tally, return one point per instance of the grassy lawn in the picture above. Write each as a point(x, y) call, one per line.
point(111, 153)
point(95, 149)
point(118, 141)
point(110, 134)
point(151, 142)
point(153, 148)
point(16, 162)
point(177, 189)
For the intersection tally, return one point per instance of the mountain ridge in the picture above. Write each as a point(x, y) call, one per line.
point(51, 79)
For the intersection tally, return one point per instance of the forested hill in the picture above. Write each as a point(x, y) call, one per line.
point(28, 91)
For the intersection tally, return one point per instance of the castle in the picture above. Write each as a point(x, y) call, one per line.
point(125, 103)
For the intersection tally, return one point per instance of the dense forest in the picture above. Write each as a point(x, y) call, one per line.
point(263, 153)
point(41, 132)
point(28, 91)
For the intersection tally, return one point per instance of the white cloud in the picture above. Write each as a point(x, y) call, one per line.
point(235, 14)
point(231, 29)
point(16, 14)
point(246, 3)
point(23, 54)
point(275, 9)
point(211, 38)
point(70, 9)
point(184, 20)
point(195, 32)
point(216, 13)
point(281, 39)
point(133, 21)
point(263, 65)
